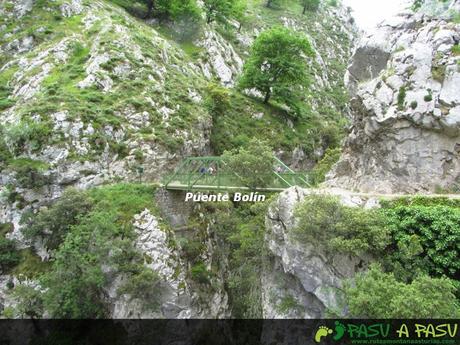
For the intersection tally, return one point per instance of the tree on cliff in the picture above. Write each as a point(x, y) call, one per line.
point(310, 5)
point(277, 65)
point(218, 9)
point(172, 9)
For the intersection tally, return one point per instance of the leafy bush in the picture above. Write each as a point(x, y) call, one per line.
point(376, 294)
point(75, 285)
point(401, 98)
point(253, 164)
point(30, 173)
point(192, 249)
point(53, 224)
point(310, 5)
point(30, 302)
point(30, 133)
point(9, 256)
point(425, 239)
point(324, 221)
point(428, 97)
point(144, 285)
point(200, 273)
point(318, 174)
point(218, 100)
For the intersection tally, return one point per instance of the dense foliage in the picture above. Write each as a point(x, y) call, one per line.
point(221, 9)
point(253, 164)
point(91, 240)
point(310, 5)
point(30, 302)
point(52, 225)
point(8, 254)
point(277, 66)
point(425, 239)
point(240, 229)
point(380, 295)
point(318, 174)
point(325, 222)
point(416, 239)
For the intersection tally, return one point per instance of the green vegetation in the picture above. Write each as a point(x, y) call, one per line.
point(277, 66)
point(162, 9)
point(219, 9)
point(29, 173)
point(416, 239)
point(253, 164)
point(456, 18)
point(323, 221)
point(310, 5)
point(402, 98)
point(287, 304)
point(9, 256)
point(82, 236)
point(26, 134)
point(376, 294)
point(30, 265)
point(145, 285)
point(438, 72)
point(429, 96)
point(30, 302)
point(413, 105)
point(318, 173)
point(456, 50)
point(234, 125)
point(241, 228)
point(425, 240)
point(200, 273)
point(53, 224)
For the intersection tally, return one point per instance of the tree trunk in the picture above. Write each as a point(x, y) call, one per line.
point(150, 5)
point(268, 94)
point(269, 3)
point(304, 9)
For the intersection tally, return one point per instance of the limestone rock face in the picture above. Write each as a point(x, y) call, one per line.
point(175, 301)
point(79, 151)
point(405, 83)
point(300, 271)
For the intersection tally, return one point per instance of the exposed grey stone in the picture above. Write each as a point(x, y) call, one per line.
point(404, 146)
point(71, 8)
point(300, 270)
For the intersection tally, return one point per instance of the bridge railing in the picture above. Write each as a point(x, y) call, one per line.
point(222, 180)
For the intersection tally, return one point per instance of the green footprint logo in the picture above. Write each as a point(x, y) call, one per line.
point(322, 331)
point(339, 330)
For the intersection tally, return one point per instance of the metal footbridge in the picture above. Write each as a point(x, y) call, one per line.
point(212, 174)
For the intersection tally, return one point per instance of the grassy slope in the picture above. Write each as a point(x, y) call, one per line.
point(324, 125)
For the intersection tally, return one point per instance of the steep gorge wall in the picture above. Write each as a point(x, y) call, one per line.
point(405, 82)
point(301, 280)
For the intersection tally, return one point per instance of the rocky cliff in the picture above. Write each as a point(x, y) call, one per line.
point(300, 280)
point(405, 82)
point(90, 95)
